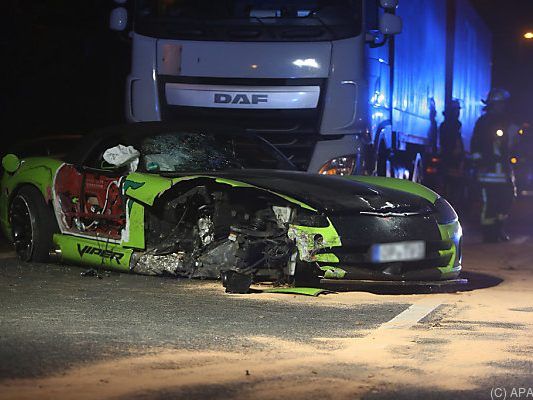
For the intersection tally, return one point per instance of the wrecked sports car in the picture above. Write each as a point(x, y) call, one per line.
point(207, 203)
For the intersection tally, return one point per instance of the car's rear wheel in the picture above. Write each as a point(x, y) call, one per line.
point(32, 225)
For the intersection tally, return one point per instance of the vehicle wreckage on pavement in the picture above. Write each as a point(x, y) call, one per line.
point(206, 203)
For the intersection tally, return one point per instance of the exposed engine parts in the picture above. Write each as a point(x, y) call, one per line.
point(89, 202)
point(212, 234)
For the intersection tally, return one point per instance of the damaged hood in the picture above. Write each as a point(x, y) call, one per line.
point(332, 194)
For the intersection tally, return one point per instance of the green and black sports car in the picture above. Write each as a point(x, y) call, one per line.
point(207, 203)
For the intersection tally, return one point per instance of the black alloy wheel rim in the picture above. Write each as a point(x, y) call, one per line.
point(22, 228)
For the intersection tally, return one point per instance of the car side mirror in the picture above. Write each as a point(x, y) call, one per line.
point(11, 163)
point(118, 19)
point(390, 24)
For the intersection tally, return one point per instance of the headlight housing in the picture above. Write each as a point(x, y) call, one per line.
point(344, 165)
point(445, 212)
point(309, 218)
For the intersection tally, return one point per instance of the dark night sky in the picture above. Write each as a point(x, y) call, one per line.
point(64, 71)
point(513, 55)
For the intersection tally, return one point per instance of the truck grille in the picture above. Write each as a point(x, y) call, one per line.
point(282, 120)
point(294, 132)
point(298, 148)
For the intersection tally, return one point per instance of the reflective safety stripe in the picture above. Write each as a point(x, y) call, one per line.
point(492, 177)
point(492, 180)
point(497, 149)
point(502, 217)
point(484, 219)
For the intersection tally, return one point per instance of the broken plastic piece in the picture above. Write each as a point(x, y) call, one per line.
point(301, 291)
point(121, 156)
point(333, 272)
point(91, 272)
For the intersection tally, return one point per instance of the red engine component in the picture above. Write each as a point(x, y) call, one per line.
point(91, 202)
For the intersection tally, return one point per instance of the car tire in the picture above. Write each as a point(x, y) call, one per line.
point(32, 225)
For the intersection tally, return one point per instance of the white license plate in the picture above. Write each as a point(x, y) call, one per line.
point(403, 251)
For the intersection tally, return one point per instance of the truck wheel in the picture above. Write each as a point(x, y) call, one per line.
point(383, 164)
point(386, 168)
point(390, 171)
point(418, 169)
point(32, 225)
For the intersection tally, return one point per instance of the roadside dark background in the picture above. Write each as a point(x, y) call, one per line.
point(63, 70)
point(512, 53)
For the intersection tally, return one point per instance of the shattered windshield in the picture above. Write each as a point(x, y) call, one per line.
point(203, 152)
point(260, 20)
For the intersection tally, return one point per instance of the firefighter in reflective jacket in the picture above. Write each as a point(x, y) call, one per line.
point(490, 151)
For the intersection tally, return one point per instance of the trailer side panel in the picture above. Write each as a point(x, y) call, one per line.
point(419, 70)
point(472, 64)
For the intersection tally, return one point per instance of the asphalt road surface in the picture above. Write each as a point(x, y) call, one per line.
point(126, 336)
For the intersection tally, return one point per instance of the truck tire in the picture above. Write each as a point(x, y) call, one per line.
point(385, 164)
point(418, 169)
point(32, 225)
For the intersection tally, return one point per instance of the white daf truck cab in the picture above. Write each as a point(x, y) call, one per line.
point(317, 78)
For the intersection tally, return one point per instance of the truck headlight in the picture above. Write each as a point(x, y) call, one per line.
point(344, 165)
point(445, 212)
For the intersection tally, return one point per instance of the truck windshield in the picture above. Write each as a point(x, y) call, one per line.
point(253, 20)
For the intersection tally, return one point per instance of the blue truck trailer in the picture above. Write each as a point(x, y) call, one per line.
point(333, 84)
point(443, 53)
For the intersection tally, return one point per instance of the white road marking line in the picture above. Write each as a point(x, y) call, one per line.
point(520, 240)
point(412, 315)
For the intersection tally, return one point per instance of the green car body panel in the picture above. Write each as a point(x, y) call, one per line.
point(147, 187)
point(454, 233)
point(399, 184)
point(93, 252)
point(37, 172)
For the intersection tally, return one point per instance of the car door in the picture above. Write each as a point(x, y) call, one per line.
point(88, 198)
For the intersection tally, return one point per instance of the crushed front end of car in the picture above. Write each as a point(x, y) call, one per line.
point(244, 234)
point(410, 240)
